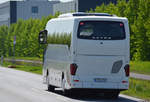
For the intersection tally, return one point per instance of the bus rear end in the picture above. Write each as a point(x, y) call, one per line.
point(101, 54)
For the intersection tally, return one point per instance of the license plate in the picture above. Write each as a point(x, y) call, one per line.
point(100, 79)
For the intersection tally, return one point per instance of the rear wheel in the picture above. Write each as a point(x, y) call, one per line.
point(49, 87)
point(65, 91)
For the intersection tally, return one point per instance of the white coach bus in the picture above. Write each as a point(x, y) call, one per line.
point(96, 57)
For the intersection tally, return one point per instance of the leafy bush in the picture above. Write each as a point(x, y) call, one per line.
point(26, 32)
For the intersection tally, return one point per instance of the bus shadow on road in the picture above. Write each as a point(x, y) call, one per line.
point(94, 97)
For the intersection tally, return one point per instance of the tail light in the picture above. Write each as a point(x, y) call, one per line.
point(127, 70)
point(73, 69)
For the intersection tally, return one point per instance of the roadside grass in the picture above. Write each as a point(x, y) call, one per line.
point(138, 88)
point(32, 69)
point(26, 58)
point(25, 67)
point(142, 67)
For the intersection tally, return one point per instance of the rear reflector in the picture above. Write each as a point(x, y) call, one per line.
point(73, 69)
point(124, 81)
point(76, 80)
point(127, 70)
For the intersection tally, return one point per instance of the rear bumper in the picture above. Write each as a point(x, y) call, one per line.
point(91, 90)
point(108, 85)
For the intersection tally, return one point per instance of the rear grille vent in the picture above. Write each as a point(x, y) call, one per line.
point(117, 66)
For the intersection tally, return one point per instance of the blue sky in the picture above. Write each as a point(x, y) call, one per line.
point(21, 0)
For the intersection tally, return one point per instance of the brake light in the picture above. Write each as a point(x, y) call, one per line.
point(81, 23)
point(76, 80)
point(127, 70)
point(121, 24)
point(73, 69)
point(124, 81)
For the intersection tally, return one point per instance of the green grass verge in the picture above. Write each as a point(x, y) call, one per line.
point(26, 67)
point(142, 67)
point(27, 58)
point(138, 88)
point(32, 69)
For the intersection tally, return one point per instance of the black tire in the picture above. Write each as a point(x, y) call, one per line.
point(112, 95)
point(49, 87)
point(65, 92)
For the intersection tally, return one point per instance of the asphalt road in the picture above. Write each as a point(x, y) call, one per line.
point(19, 86)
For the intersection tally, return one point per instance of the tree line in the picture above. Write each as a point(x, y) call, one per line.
point(26, 34)
point(26, 31)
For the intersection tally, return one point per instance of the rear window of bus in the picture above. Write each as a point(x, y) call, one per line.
point(101, 30)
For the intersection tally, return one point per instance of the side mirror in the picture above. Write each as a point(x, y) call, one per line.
point(43, 37)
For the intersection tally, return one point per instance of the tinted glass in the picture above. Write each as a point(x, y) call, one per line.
point(101, 30)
